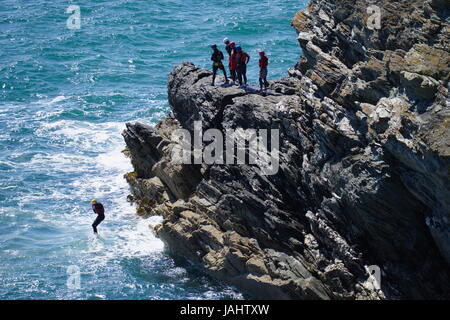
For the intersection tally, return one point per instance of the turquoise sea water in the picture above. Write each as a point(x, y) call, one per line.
point(65, 96)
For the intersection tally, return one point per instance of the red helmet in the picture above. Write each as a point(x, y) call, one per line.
point(232, 44)
point(261, 53)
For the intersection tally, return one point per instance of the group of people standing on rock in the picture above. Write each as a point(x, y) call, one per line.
point(237, 62)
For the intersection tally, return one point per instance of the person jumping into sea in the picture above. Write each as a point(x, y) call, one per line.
point(217, 58)
point(100, 211)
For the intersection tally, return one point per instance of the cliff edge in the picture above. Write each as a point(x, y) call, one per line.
point(364, 162)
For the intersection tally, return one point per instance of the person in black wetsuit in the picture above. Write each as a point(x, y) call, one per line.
point(217, 58)
point(100, 211)
point(228, 47)
point(242, 60)
point(263, 63)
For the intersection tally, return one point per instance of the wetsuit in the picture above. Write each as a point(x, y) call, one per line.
point(232, 60)
point(263, 63)
point(217, 58)
point(242, 60)
point(100, 211)
point(229, 49)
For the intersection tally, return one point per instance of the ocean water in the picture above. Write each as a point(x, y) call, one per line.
point(65, 96)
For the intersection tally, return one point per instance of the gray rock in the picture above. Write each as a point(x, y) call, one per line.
point(363, 178)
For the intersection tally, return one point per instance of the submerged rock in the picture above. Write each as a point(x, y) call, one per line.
point(363, 179)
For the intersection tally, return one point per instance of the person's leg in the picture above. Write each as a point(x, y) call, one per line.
point(95, 224)
point(97, 221)
point(225, 74)
point(239, 72)
point(244, 73)
point(214, 74)
point(260, 79)
point(263, 75)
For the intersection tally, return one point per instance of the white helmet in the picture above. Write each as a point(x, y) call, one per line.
point(226, 40)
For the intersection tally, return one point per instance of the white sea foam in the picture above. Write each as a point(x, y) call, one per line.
point(61, 162)
point(81, 135)
point(95, 176)
point(57, 99)
point(48, 101)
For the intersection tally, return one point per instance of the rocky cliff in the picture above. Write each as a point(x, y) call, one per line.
point(364, 162)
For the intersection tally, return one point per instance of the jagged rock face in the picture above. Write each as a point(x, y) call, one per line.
point(364, 122)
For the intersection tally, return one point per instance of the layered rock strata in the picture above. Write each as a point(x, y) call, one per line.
point(363, 179)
